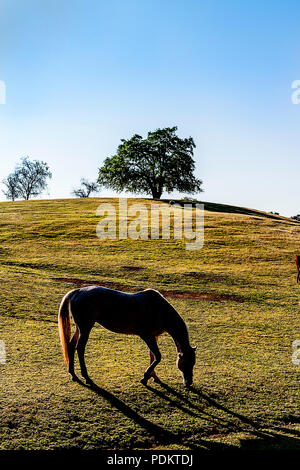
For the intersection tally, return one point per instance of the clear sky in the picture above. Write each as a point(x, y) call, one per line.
point(82, 74)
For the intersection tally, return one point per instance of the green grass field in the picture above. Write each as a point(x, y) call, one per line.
point(238, 295)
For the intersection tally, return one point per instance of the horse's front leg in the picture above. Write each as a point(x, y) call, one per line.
point(153, 373)
point(155, 358)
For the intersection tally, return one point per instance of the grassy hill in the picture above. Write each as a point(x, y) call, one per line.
point(237, 294)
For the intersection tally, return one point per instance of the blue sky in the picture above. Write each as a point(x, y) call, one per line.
point(82, 74)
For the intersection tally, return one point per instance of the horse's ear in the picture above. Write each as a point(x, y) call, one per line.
point(195, 348)
point(180, 354)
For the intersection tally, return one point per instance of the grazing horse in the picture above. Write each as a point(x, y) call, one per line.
point(146, 314)
point(298, 266)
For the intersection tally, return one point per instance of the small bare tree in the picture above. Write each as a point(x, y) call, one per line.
point(87, 188)
point(12, 190)
point(31, 177)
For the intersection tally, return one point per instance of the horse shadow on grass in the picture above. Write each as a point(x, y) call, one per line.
point(160, 434)
point(264, 435)
point(157, 431)
point(204, 407)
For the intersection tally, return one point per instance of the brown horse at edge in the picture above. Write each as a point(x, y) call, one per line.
point(298, 267)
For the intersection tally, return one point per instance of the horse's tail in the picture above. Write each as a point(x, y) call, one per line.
point(64, 324)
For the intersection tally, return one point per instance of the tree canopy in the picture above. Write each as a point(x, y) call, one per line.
point(161, 162)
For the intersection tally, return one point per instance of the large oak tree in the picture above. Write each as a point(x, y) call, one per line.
point(161, 162)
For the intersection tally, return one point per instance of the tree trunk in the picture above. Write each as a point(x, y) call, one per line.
point(156, 194)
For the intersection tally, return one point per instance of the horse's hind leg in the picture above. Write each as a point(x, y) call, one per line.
point(71, 349)
point(155, 358)
point(83, 338)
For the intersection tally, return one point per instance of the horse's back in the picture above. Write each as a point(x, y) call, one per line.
point(122, 312)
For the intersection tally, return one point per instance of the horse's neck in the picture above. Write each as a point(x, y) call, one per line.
point(179, 333)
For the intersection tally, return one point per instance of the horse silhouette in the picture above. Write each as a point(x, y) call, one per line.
point(146, 314)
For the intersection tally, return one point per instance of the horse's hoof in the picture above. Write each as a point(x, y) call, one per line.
point(188, 386)
point(74, 378)
point(144, 381)
point(88, 381)
point(156, 380)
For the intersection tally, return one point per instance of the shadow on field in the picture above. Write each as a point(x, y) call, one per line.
point(161, 435)
point(176, 294)
point(262, 436)
point(157, 431)
point(259, 436)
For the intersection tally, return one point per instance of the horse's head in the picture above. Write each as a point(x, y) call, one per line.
point(185, 363)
